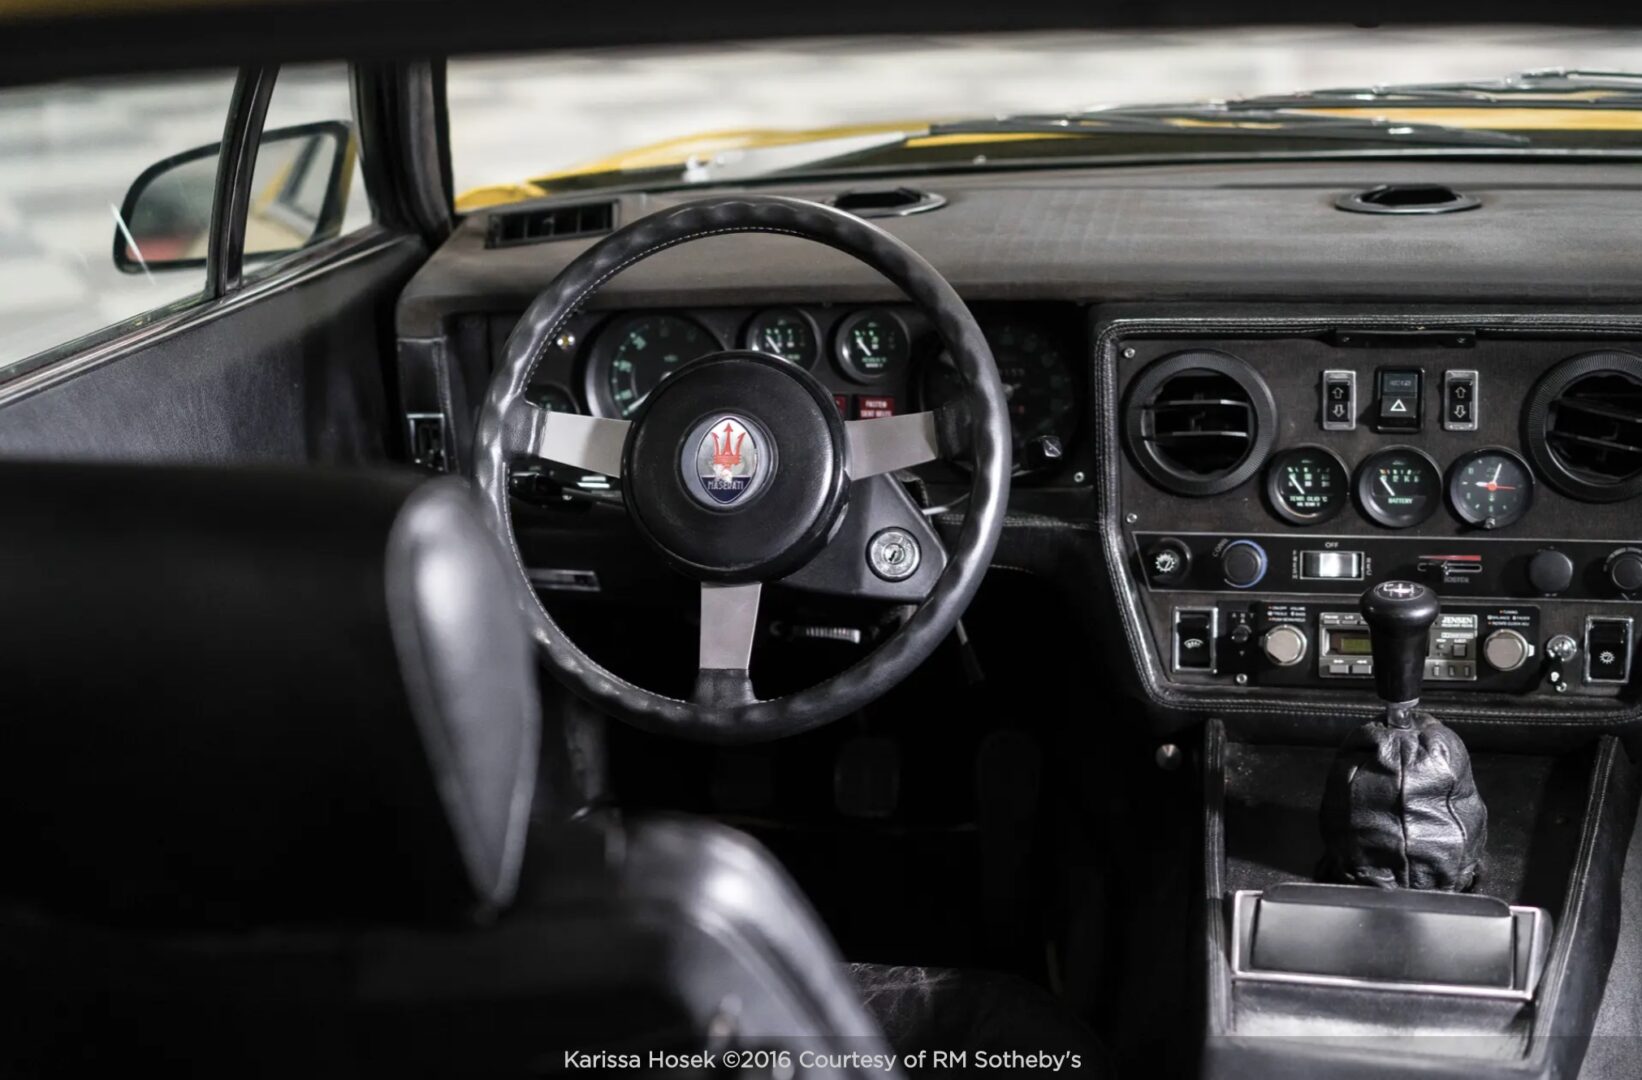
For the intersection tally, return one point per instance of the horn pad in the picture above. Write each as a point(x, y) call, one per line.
point(734, 469)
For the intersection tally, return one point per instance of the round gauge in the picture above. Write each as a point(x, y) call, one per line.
point(552, 397)
point(1307, 484)
point(1399, 487)
point(1490, 488)
point(634, 354)
point(787, 333)
point(872, 342)
point(1037, 380)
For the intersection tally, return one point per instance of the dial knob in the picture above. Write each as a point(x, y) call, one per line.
point(1550, 571)
point(1562, 647)
point(1506, 650)
point(1624, 569)
point(1169, 561)
point(1284, 646)
point(1243, 564)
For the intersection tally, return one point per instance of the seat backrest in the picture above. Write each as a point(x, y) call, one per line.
point(236, 697)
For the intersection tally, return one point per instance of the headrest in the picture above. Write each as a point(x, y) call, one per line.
point(248, 696)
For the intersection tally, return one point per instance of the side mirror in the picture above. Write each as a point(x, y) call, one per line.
point(299, 192)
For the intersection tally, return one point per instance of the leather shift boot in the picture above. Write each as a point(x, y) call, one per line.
point(1401, 808)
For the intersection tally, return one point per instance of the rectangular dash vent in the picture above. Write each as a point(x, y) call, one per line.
point(551, 223)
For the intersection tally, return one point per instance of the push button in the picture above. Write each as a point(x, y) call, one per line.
point(1194, 640)
point(1399, 400)
point(1607, 650)
point(1459, 401)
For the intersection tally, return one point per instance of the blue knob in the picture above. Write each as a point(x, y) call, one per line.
point(1243, 564)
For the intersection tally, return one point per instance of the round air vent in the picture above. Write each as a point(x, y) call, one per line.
point(1407, 199)
point(1199, 423)
point(1583, 426)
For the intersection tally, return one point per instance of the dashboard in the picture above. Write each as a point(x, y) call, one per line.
point(1260, 405)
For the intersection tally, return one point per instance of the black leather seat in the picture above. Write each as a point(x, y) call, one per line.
point(265, 793)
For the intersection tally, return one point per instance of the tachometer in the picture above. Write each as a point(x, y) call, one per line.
point(634, 354)
point(1036, 377)
point(1399, 487)
point(1490, 488)
point(1307, 484)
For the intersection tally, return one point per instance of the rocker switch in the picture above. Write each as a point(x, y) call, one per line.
point(1339, 401)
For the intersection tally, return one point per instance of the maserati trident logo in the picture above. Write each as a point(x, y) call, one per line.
point(727, 460)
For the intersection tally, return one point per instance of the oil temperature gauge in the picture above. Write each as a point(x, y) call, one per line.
point(1490, 488)
point(1307, 484)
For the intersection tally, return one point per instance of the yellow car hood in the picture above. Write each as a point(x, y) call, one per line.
point(678, 152)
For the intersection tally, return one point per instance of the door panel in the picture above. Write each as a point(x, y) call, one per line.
point(291, 369)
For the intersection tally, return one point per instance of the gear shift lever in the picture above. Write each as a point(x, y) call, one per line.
point(1401, 809)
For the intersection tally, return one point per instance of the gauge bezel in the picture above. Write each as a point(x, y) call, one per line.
point(602, 352)
point(1459, 508)
point(1364, 483)
point(749, 334)
point(1273, 485)
point(841, 355)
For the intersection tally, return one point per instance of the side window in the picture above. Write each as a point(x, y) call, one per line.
point(307, 186)
point(68, 154)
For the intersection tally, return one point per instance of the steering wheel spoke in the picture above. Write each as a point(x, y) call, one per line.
point(729, 622)
point(890, 443)
point(592, 443)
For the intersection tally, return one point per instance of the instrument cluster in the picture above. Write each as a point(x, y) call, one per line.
point(1400, 486)
point(877, 360)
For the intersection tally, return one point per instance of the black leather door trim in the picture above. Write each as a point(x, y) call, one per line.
point(310, 265)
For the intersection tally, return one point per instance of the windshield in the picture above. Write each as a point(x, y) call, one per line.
point(526, 126)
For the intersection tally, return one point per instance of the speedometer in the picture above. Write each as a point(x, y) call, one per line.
point(1037, 380)
point(634, 354)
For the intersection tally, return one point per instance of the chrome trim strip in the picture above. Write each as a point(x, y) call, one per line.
point(1243, 901)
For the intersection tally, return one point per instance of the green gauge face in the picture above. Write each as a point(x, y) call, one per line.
point(1307, 484)
point(1399, 488)
point(871, 343)
point(1490, 488)
point(786, 333)
point(647, 349)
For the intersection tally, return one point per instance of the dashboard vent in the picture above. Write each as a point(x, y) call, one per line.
point(551, 223)
point(1407, 199)
point(1584, 426)
point(1200, 423)
point(887, 202)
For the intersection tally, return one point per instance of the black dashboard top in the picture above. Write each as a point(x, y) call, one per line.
point(1544, 231)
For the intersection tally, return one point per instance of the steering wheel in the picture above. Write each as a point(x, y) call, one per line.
point(739, 470)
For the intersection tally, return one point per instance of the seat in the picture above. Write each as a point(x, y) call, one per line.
point(265, 801)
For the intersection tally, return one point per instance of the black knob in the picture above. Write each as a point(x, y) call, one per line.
point(1169, 561)
point(1624, 569)
point(1550, 571)
point(1399, 616)
point(1243, 564)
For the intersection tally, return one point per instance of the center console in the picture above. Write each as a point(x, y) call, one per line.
point(1265, 471)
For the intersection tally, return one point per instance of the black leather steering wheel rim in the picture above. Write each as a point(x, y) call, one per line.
point(988, 443)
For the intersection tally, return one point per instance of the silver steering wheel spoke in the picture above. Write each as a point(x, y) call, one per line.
point(592, 443)
point(890, 443)
point(729, 622)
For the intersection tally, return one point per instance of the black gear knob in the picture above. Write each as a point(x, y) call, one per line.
point(1399, 616)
